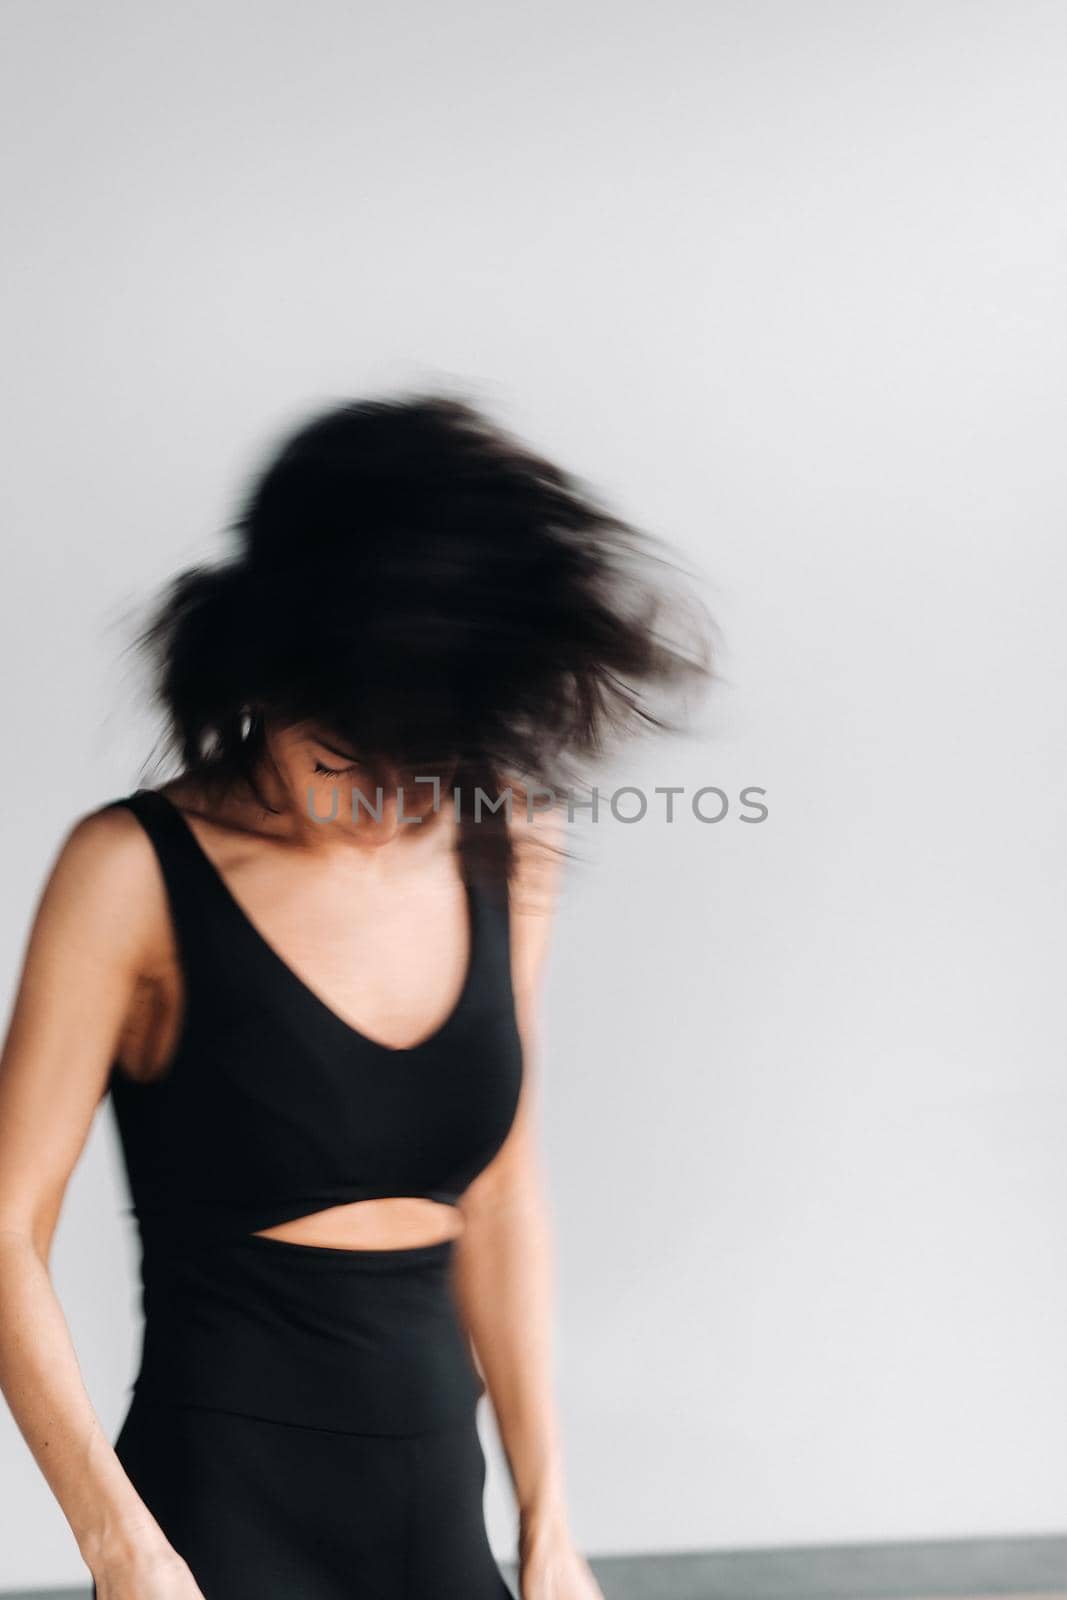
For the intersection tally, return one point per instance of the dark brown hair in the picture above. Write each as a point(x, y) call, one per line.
point(407, 574)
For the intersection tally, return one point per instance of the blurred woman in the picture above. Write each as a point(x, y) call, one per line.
point(306, 971)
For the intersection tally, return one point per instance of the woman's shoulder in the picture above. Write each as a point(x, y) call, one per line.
point(534, 812)
point(537, 833)
point(537, 826)
point(107, 837)
point(103, 881)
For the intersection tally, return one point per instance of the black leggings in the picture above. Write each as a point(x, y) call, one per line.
point(304, 1423)
point(273, 1511)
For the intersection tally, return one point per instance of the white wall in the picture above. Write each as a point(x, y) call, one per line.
point(785, 281)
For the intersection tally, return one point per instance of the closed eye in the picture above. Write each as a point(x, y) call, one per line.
point(334, 772)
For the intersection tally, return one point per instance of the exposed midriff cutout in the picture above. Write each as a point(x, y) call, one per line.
point(393, 1223)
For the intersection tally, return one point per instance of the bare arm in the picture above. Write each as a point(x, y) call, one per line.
point(505, 1271)
point(80, 970)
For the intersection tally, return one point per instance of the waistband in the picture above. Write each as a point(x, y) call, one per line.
point(361, 1341)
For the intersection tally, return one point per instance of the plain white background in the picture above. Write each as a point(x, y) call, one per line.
point(785, 282)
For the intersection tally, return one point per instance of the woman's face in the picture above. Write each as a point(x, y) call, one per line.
point(327, 779)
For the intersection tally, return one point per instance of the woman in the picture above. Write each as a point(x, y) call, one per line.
point(306, 970)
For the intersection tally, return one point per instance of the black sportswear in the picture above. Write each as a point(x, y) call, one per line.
point(303, 1420)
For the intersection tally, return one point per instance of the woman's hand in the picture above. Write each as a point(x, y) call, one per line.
point(550, 1566)
point(156, 1574)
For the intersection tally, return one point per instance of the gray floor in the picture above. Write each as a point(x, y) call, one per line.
point(916, 1571)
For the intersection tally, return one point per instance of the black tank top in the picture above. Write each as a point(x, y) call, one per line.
point(272, 1106)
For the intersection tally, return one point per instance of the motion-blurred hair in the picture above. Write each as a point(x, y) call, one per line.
point(408, 575)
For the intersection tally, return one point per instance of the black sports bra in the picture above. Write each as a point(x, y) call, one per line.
point(273, 1107)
